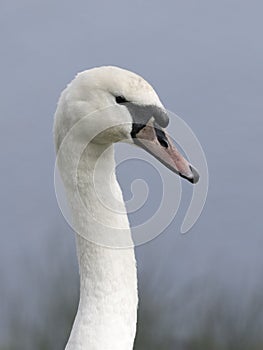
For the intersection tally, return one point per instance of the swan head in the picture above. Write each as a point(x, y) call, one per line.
point(124, 107)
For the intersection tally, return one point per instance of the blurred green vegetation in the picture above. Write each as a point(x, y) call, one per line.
point(215, 325)
point(201, 316)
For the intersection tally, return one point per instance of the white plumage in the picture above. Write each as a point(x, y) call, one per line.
point(121, 105)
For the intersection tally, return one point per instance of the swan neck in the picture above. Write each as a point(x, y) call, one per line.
point(107, 312)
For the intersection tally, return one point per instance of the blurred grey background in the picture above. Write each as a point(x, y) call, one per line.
point(202, 290)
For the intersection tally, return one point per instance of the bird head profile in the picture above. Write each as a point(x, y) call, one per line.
point(119, 105)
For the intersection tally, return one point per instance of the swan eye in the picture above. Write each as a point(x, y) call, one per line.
point(120, 99)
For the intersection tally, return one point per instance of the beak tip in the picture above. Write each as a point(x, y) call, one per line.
point(195, 178)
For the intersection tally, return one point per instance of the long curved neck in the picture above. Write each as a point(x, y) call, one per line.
point(107, 312)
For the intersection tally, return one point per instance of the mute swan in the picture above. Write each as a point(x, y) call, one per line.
point(107, 311)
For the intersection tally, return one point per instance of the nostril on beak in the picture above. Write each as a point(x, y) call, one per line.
point(161, 137)
point(163, 142)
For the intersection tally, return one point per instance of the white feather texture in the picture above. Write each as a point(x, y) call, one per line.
point(107, 312)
